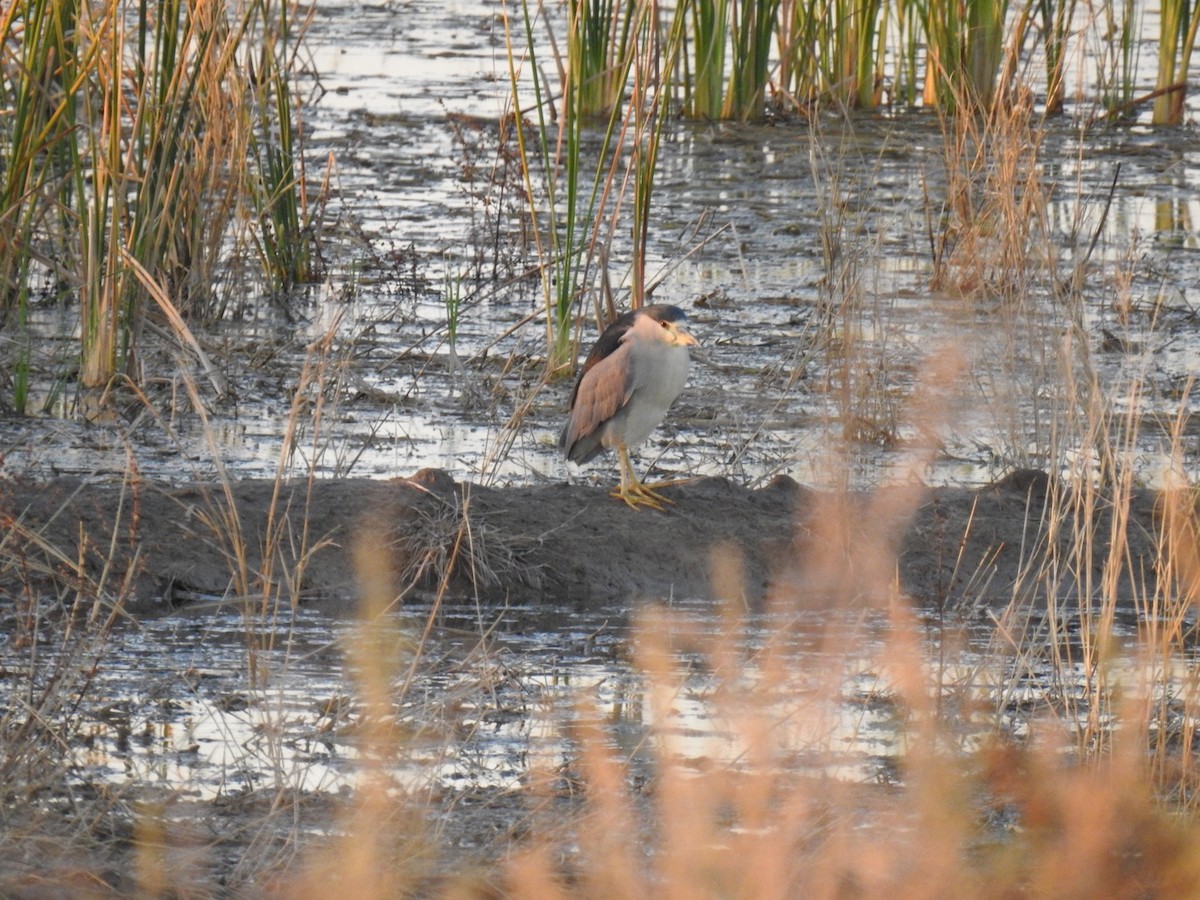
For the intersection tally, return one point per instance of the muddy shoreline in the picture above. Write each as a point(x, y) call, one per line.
point(165, 546)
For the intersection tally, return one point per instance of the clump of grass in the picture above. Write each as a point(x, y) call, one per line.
point(987, 229)
point(599, 38)
point(285, 235)
point(835, 54)
point(138, 141)
point(751, 35)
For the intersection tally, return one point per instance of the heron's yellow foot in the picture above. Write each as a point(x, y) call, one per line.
point(633, 492)
point(637, 494)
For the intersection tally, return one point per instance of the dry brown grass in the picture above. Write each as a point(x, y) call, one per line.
point(1012, 818)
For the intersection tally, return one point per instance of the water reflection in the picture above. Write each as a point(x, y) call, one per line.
point(831, 694)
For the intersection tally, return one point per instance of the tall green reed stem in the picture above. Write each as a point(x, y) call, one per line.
point(905, 17)
point(965, 46)
point(598, 34)
point(734, 35)
point(285, 236)
point(753, 26)
point(705, 88)
point(565, 214)
point(1176, 40)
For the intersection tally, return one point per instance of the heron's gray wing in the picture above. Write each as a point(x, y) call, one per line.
point(603, 388)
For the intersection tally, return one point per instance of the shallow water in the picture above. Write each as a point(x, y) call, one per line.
point(205, 708)
point(175, 704)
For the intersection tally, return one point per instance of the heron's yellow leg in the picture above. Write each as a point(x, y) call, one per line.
point(632, 492)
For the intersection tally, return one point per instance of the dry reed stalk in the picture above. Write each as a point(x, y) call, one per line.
point(990, 231)
point(381, 850)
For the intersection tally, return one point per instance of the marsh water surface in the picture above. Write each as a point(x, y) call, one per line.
point(757, 230)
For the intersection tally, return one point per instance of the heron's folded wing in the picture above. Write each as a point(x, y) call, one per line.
point(602, 390)
point(606, 345)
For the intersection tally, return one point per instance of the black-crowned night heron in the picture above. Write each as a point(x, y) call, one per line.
point(632, 376)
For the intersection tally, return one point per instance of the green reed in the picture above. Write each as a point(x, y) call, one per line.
point(731, 48)
point(285, 234)
point(38, 143)
point(795, 37)
point(1176, 40)
point(753, 29)
point(968, 51)
point(588, 178)
point(155, 171)
point(965, 46)
point(1117, 64)
point(865, 41)
point(598, 47)
point(705, 88)
point(904, 17)
point(1056, 27)
point(833, 53)
point(573, 167)
point(452, 299)
point(127, 163)
point(985, 49)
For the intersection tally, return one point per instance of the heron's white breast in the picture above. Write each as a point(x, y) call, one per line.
point(659, 374)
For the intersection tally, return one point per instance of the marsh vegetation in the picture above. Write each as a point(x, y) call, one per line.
point(256, 258)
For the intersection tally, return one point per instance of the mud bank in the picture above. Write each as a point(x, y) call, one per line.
point(162, 546)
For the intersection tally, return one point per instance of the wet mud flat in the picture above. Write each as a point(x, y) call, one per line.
point(573, 546)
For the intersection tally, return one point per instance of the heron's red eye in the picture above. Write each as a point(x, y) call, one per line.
point(665, 324)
